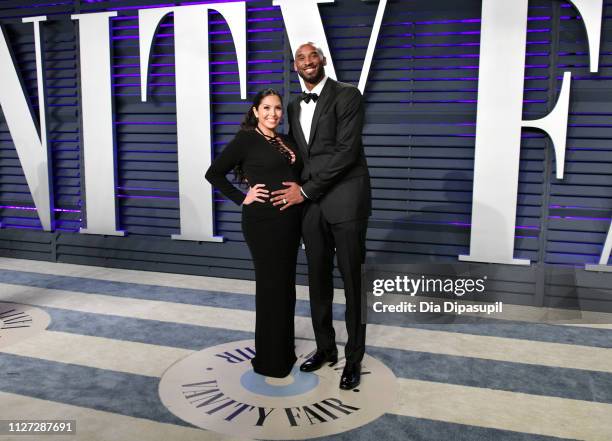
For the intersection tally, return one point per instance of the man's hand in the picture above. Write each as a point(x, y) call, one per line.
point(288, 196)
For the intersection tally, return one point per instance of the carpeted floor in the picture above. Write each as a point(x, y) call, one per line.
point(113, 333)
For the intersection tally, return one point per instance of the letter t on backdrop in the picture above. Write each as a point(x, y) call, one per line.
point(193, 102)
point(503, 47)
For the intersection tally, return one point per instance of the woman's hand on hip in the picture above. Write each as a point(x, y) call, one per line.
point(256, 193)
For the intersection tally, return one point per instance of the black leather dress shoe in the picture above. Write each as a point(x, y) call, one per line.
point(351, 376)
point(318, 360)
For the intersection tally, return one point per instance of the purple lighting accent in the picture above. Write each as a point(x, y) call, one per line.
point(215, 22)
point(466, 20)
point(126, 8)
point(468, 225)
point(460, 101)
point(214, 53)
point(14, 207)
point(147, 189)
point(573, 207)
point(455, 44)
point(127, 66)
point(260, 30)
point(205, 2)
point(530, 77)
point(459, 224)
point(273, 8)
point(592, 78)
point(66, 210)
point(43, 5)
point(134, 17)
point(24, 208)
point(146, 123)
point(212, 82)
point(527, 227)
point(438, 101)
point(439, 57)
point(580, 218)
point(124, 196)
point(437, 34)
point(22, 227)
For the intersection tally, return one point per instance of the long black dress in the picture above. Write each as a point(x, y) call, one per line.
point(273, 238)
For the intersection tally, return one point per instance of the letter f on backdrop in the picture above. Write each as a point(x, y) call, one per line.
point(503, 47)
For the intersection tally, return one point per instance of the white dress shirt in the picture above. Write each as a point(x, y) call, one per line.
point(308, 109)
point(307, 112)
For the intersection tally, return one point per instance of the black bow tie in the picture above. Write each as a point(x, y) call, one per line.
point(310, 96)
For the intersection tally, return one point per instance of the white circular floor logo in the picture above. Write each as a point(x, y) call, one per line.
point(18, 322)
point(216, 389)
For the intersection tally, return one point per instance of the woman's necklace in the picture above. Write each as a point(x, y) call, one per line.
point(276, 142)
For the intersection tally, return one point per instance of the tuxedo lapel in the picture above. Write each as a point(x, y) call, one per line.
point(327, 94)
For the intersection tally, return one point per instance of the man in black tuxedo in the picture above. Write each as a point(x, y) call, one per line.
point(326, 122)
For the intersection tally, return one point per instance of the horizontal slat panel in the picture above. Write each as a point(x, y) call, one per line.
point(419, 134)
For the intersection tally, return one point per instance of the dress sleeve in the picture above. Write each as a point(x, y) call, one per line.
point(231, 156)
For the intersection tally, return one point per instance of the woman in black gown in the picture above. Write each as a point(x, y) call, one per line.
point(264, 160)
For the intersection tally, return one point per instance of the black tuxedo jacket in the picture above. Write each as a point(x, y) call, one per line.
point(335, 173)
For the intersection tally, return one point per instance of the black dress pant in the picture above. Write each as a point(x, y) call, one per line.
point(348, 240)
point(273, 243)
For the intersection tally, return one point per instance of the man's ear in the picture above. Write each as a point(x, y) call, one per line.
point(295, 66)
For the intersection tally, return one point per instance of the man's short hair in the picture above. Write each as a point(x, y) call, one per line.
point(310, 43)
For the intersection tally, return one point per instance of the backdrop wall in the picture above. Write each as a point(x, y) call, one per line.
point(419, 140)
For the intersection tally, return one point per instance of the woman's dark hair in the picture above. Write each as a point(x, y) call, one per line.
point(250, 123)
